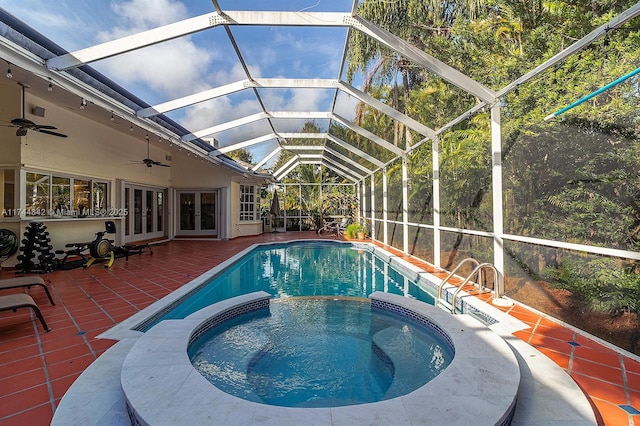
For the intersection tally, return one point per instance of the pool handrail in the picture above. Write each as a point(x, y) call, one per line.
point(478, 271)
point(441, 286)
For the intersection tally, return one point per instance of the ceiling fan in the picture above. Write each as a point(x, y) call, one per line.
point(23, 125)
point(148, 161)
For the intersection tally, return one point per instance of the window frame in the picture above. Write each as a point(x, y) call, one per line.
point(248, 203)
point(94, 192)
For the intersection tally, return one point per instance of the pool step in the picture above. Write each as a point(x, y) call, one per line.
point(403, 351)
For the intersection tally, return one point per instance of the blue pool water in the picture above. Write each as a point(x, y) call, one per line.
point(319, 353)
point(305, 268)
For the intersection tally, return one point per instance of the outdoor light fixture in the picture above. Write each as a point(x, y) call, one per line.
point(112, 117)
point(9, 73)
point(50, 87)
point(83, 103)
point(131, 127)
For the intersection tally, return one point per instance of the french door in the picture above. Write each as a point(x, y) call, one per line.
point(145, 218)
point(197, 213)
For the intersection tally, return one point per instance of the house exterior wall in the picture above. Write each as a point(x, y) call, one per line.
point(106, 152)
point(242, 228)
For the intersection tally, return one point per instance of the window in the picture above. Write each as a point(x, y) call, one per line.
point(247, 202)
point(7, 186)
point(48, 195)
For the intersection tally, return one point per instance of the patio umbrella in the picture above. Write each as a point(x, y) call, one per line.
point(275, 207)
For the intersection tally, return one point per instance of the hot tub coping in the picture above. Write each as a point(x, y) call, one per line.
point(479, 387)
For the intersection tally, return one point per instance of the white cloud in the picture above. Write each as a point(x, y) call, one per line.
point(144, 14)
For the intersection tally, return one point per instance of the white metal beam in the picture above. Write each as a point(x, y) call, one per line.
point(320, 135)
point(344, 169)
point(297, 83)
point(303, 147)
point(336, 168)
point(386, 109)
point(288, 170)
point(340, 172)
point(247, 143)
point(308, 115)
point(347, 160)
point(285, 165)
point(421, 58)
point(225, 126)
point(191, 26)
point(267, 158)
point(367, 134)
point(195, 98)
point(601, 31)
point(355, 150)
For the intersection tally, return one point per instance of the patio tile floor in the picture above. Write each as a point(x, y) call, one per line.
point(38, 367)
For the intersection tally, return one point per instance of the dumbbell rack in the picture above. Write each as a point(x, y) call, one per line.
point(36, 246)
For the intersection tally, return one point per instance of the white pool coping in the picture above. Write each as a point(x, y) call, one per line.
point(547, 395)
point(161, 386)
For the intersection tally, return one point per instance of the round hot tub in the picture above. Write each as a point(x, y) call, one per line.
point(479, 386)
point(320, 352)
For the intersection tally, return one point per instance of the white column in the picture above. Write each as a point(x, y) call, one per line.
point(498, 219)
point(363, 189)
point(405, 206)
point(385, 210)
point(435, 154)
point(373, 213)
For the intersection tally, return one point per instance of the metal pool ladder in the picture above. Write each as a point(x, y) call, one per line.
point(497, 283)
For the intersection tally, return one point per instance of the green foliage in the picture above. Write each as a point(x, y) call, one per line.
point(241, 155)
point(600, 285)
point(353, 229)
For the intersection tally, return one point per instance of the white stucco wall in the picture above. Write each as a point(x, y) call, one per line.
point(105, 151)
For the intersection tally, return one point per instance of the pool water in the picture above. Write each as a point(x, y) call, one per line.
point(319, 353)
point(306, 268)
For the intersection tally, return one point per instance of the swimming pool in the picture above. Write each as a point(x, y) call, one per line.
point(320, 352)
point(301, 268)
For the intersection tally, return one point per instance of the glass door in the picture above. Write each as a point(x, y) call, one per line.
point(198, 213)
point(145, 208)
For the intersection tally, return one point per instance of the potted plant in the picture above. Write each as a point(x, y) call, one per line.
point(355, 230)
point(352, 230)
point(361, 232)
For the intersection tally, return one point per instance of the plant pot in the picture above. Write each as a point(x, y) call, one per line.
point(361, 235)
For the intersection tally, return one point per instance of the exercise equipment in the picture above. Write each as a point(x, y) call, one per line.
point(8, 244)
point(36, 245)
point(102, 248)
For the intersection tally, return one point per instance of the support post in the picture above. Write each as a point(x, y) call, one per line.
point(385, 205)
point(498, 218)
point(435, 154)
point(405, 206)
point(373, 205)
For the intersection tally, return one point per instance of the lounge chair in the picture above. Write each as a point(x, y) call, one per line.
point(14, 302)
point(337, 227)
point(27, 282)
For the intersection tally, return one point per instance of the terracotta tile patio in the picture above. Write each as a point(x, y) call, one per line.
point(38, 367)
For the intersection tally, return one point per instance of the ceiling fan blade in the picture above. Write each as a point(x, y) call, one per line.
point(43, 126)
point(22, 122)
point(156, 163)
point(49, 132)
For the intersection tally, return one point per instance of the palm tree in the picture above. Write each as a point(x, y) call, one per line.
point(415, 21)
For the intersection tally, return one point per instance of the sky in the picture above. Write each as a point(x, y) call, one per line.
point(203, 60)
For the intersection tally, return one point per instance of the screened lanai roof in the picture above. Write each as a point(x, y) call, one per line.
point(245, 74)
